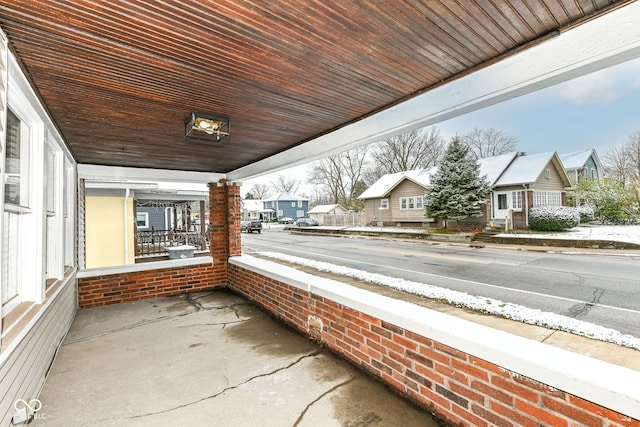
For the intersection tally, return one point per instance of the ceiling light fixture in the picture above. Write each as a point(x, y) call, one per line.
point(203, 126)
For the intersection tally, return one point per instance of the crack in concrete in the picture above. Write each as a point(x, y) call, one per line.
point(161, 319)
point(317, 399)
point(233, 387)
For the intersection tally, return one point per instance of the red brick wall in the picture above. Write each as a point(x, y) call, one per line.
point(133, 286)
point(224, 226)
point(457, 386)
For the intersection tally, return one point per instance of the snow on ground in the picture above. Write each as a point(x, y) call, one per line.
point(619, 233)
point(479, 303)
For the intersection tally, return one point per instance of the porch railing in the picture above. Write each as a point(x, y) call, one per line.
point(157, 242)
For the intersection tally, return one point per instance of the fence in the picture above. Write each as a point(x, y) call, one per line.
point(157, 242)
point(344, 220)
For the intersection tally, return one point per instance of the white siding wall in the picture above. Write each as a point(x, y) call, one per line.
point(40, 319)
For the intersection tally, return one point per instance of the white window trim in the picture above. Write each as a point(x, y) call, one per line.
point(411, 200)
point(384, 204)
point(146, 220)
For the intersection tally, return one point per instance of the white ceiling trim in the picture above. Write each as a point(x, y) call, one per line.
point(111, 173)
point(603, 42)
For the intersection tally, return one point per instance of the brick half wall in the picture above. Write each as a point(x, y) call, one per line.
point(116, 285)
point(468, 374)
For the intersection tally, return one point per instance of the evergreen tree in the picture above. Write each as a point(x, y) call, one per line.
point(457, 190)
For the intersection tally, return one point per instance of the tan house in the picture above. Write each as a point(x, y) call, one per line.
point(397, 199)
point(518, 182)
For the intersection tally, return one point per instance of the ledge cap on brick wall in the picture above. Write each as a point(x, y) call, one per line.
point(144, 266)
point(612, 386)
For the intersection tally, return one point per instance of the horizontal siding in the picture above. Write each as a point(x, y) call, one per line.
point(407, 188)
point(23, 370)
point(553, 183)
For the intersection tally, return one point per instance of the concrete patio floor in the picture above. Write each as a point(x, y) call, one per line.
point(207, 359)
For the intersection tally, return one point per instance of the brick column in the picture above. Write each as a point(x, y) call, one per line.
point(224, 227)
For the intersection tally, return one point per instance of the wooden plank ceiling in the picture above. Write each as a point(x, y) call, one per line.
point(120, 77)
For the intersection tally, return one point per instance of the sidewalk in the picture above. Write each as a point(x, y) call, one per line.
point(207, 359)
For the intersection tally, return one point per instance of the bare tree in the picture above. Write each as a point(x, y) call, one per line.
point(418, 149)
point(285, 184)
point(616, 163)
point(488, 142)
point(339, 176)
point(632, 151)
point(259, 191)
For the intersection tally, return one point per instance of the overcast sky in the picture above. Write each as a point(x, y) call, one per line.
point(594, 111)
point(598, 110)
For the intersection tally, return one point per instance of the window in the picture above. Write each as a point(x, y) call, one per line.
point(142, 219)
point(516, 200)
point(299, 214)
point(384, 204)
point(502, 201)
point(16, 187)
point(547, 198)
point(16, 209)
point(293, 204)
point(547, 173)
point(299, 203)
point(411, 202)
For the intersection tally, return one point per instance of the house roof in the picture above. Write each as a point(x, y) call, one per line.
point(578, 159)
point(252, 205)
point(493, 167)
point(383, 186)
point(527, 168)
point(324, 208)
point(285, 196)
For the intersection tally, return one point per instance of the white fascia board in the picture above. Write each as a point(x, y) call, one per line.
point(112, 173)
point(600, 43)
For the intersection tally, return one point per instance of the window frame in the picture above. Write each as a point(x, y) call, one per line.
point(384, 204)
point(146, 221)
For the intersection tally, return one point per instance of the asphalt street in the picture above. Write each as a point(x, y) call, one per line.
point(603, 289)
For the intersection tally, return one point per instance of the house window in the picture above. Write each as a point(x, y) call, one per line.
point(280, 213)
point(16, 165)
point(384, 204)
point(299, 203)
point(411, 202)
point(16, 209)
point(502, 201)
point(293, 204)
point(547, 198)
point(299, 214)
point(547, 173)
point(142, 220)
point(516, 200)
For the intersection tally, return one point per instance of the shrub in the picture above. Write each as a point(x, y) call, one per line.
point(586, 212)
point(555, 218)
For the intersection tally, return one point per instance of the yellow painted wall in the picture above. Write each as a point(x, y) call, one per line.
point(105, 234)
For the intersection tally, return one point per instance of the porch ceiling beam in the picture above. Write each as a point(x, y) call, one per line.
point(603, 42)
point(111, 173)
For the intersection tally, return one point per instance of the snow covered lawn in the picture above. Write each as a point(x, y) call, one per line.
point(620, 233)
point(479, 303)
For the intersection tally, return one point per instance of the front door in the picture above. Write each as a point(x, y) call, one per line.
point(501, 202)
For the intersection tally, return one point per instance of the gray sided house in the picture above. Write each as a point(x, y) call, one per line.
point(288, 205)
point(581, 165)
point(518, 182)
